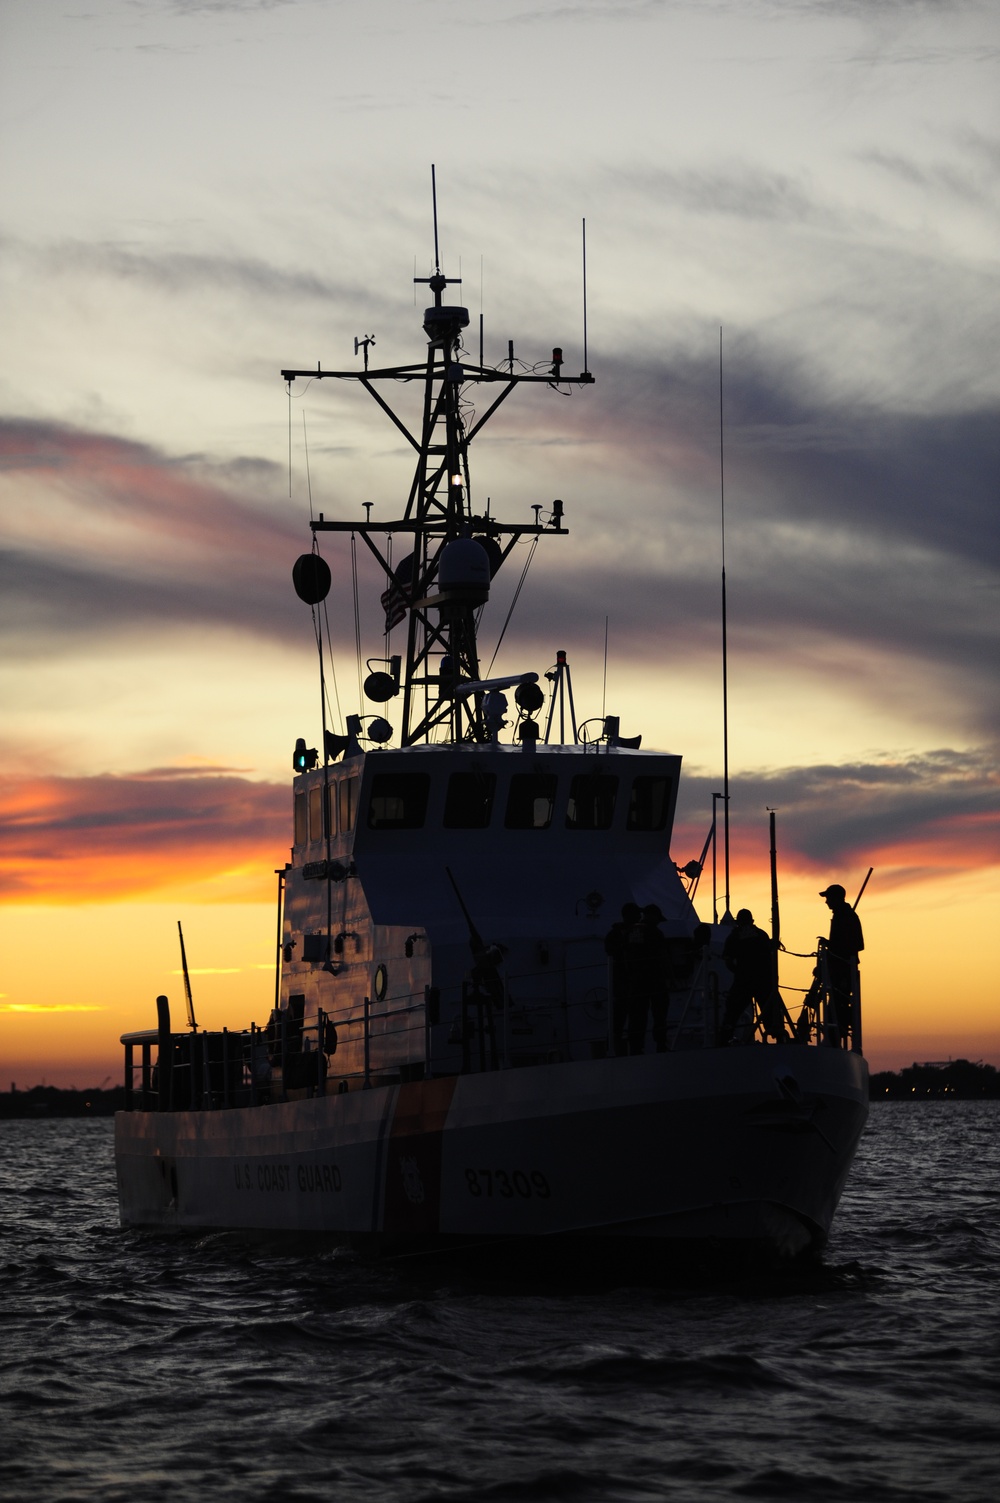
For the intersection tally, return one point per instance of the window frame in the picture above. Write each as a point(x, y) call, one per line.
point(519, 778)
point(409, 797)
point(489, 782)
point(573, 823)
point(653, 827)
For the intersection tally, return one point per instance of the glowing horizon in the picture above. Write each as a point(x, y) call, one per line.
point(836, 214)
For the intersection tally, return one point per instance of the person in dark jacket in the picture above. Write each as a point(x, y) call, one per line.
point(750, 956)
point(646, 961)
point(842, 950)
point(615, 943)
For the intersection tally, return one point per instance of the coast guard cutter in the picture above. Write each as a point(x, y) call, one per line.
point(442, 1067)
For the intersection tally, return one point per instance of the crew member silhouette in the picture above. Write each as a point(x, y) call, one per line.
point(646, 960)
point(615, 944)
point(749, 955)
point(842, 950)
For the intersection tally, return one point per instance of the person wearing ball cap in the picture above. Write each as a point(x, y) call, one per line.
point(843, 947)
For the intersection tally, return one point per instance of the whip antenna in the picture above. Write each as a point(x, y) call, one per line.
point(187, 981)
point(434, 202)
point(585, 365)
point(727, 916)
point(861, 894)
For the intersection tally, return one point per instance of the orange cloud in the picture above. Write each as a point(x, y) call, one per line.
point(74, 840)
point(914, 818)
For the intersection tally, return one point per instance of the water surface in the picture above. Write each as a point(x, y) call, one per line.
point(137, 1366)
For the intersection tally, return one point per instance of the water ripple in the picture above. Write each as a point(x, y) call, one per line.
point(164, 1368)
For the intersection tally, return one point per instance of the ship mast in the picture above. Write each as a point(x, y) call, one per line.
point(442, 602)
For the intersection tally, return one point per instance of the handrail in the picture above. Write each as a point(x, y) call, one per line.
point(220, 1070)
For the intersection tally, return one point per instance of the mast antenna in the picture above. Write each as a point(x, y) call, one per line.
point(727, 916)
point(585, 365)
point(434, 202)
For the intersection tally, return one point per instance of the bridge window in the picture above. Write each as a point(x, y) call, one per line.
point(348, 797)
point(469, 803)
point(591, 803)
point(650, 803)
point(398, 800)
point(331, 808)
point(301, 819)
point(530, 801)
point(316, 812)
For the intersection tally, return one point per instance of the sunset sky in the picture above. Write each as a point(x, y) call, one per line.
point(198, 194)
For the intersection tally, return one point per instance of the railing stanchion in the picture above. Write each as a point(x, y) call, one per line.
point(427, 1034)
point(856, 1013)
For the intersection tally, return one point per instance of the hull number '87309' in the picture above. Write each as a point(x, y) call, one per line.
point(508, 1183)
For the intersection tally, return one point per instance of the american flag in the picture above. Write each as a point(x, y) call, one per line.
point(394, 600)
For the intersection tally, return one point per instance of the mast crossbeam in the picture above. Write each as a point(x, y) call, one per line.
point(441, 647)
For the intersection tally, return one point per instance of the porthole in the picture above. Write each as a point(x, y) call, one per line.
point(381, 983)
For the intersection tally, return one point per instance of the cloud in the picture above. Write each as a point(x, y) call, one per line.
point(49, 1007)
point(857, 538)
point(124, 537)
point(74, 840)
point(179, 272)
point(66, 840)
point(932, 177)
point(857, 535)
point(215, 970)
point(241, 7)
point(742, 191)
point(912, 817)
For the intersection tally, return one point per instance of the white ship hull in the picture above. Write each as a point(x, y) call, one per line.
point(748, 1144)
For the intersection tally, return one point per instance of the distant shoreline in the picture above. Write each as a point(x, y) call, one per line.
point(958, 1080)
point(50, 1101)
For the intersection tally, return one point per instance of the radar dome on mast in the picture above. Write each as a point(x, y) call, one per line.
point(464, 570)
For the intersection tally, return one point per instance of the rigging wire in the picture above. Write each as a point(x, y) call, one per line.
point(309, 484)
point(333, 671)
point(389, 585)
point(520, 583)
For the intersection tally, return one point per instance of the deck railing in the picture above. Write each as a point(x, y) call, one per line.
point(489, 1027)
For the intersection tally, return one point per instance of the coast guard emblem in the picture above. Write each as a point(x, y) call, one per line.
point(412, 1183)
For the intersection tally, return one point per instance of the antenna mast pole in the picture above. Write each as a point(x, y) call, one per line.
point(442, 649)
point(585, 365)
point(727, 916)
